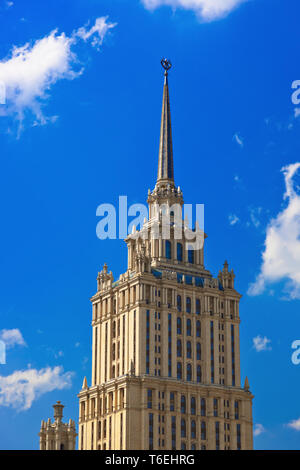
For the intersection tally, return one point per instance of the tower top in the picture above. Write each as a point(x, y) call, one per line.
point(58, 410)
point(165, 173)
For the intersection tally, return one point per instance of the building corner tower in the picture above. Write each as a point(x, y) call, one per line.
point(166, 348)
point(57, 435)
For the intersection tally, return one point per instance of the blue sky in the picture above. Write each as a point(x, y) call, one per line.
point(80, 127)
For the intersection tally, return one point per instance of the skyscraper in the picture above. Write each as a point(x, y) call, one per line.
point(166, 347)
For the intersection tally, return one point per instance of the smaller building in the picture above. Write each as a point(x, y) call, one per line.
point(57, 435)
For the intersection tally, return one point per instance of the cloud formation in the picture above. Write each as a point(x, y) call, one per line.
point(281, 255)
point(295, 424)
point(261, 343)
point(258, 429)
point(206, 10)
point(30, 71)
point(20, 389)
point(233, 219)
point(12, 338)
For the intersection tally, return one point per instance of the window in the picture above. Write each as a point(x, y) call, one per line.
point(149, 398)
point(183, 428)
point(189, 350)
point(198, 307)
point(191, 255)
point(183, 446)
point(173, 432)
point(198, 351)
point(193, 405)
point(189, 372)
point(203, 431)
point(179, 348)
point(199, 374)
point(193, 429)
point(179, 326)
point(203, 407)
point(198, 329)
point(183, 404)
point(147, 342)
point(179, 370)
point(238, 437)
point(215, 407)
point(179, 303)
point(188, 305)
point(168, 249)
point(172, 401)
point(179, 251)
point(169, 345)
point(188, 327)
point(150, 431)
point(217, 425)
point(236, 410)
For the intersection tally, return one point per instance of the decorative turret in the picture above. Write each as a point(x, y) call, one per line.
point(247, 386)
point(104, 279)
point(226, 277)
point(57, 435)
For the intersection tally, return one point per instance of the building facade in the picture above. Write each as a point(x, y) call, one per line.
point(57, 435)
point(166, 347)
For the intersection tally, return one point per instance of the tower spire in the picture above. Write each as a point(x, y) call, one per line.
point(165, 160)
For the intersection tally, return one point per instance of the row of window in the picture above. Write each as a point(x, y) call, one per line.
point(193, 433)
point(179, 257)
point(188, 305)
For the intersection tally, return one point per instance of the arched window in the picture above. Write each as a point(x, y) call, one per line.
point(203, 407)
point(179, 303)
point(179, 326)
point(203, 431)
point(193, 429)
point(188, 327)
point(179, 251)
point(189, 372)
point(188, 305)
point(183, 446)
point(198, 351)
point(168, 249)
point(179, 370)
point(198, 329)
point(183, 428)
point(193, 405)
point(199, 374)
point(193, 447)
point(179, 348)
point(113, 351)
point(198, 307)
point(191, 255)
point(114, 330)
point(183, 404)
point(189, 350)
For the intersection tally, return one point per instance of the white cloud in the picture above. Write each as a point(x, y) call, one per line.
point(295, 424)
point(32, 69)
point(20, 389)
point(255, 213)
point(238, 139)
point(233, 219)
point(12, 338)
point(261, 343)
point(207, 10)
point(258, 429)
point(281, 255)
